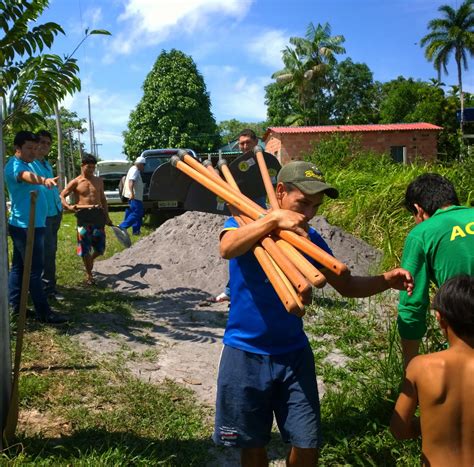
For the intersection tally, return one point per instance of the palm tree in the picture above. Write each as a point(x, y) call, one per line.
point(453, 33)
point(307, 62)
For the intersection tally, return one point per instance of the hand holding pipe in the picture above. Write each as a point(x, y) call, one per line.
point(284, 263)
point(275, 275)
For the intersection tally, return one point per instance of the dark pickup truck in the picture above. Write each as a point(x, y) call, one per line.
point(159, 210)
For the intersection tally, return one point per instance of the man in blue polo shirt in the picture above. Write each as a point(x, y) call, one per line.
point(42, 167)
point(21, 179)
point(267, 366)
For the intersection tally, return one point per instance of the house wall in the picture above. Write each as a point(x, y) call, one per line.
point(419, 143)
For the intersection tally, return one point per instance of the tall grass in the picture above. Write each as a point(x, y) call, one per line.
point(372, 189)
point(362, 389)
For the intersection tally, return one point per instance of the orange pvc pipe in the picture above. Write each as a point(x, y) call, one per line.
point(285, 264)
point(254, 211)
point(266, 178)
point(314, 276)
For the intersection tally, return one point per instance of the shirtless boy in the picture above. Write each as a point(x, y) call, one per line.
point(442, 384)
point(91, 211)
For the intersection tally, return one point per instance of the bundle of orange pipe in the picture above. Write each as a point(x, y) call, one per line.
point(289, 272)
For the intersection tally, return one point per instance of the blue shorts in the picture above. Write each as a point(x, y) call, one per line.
point(252, 387)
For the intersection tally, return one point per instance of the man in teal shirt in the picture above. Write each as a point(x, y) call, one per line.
point(441, 246)
point(21, 179)
point(42, 167)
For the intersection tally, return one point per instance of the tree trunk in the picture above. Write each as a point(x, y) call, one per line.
point(61, 165)
point(461, 94)
point(5, 357)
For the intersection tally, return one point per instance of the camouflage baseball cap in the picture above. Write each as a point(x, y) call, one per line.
point(307, 178)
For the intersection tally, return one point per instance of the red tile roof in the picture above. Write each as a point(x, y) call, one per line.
point(351, 128)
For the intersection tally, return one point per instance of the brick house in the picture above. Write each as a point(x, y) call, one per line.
point(403, 141)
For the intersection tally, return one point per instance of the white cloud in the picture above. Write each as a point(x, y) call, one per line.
point(234, 95)
point(110, 113)
point(91, 18)
point(149, 22)
point(266, 48)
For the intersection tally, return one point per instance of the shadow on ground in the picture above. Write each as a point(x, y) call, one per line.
point(181, 314)
point(112, 448)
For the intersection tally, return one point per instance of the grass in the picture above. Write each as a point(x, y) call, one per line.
point(372, 189)
point(362, 388)
point(81, 409)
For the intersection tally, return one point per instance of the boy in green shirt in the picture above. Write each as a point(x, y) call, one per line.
point(441, 246)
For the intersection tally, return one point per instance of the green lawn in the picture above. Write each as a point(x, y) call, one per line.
point(78, 409)
point(84, 410)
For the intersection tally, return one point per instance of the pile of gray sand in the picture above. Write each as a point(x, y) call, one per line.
point(184, 253)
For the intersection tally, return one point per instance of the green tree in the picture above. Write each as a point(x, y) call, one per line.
point(29, 79)
point(355, 97)
point(452, 34)
point(174, 110)
point(281, 103)
point(407, 101)
point(230, 129)
point(307, 63)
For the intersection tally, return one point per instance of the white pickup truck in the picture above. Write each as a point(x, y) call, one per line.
point(111, 172)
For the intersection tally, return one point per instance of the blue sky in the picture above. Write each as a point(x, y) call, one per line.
point(236, 45)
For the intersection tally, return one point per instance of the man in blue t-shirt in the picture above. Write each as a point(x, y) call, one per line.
point(267, 366)
point(21, 179)
point(54, 215)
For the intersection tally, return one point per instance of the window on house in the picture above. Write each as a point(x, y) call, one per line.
point(398, 154)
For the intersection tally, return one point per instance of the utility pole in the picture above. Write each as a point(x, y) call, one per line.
point(96, 148)
point(91, 127)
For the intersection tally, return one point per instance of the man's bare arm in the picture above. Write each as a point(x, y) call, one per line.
point(404, 425)
point(239, 241)
point(365, 286)
point(131, 187)
point(70, 189)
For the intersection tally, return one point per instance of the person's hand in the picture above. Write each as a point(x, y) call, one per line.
point(132, 196)
point(50, 182)
point(73, 208)
point(290, 220)
point(399, 279)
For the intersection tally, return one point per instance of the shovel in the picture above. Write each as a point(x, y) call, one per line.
point(12, 415)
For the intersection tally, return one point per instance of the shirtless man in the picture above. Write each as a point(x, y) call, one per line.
point(442, 384)
point(91, 211)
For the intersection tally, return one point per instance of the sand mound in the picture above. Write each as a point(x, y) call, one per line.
point(184, 252)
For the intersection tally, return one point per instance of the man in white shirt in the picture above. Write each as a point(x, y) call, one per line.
point(133, 190)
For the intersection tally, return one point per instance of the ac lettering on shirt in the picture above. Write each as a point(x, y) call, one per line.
point(459, 232)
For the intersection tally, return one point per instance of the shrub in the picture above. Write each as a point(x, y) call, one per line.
point(372, 189)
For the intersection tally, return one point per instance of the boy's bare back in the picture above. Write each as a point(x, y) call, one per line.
point(443, 383)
